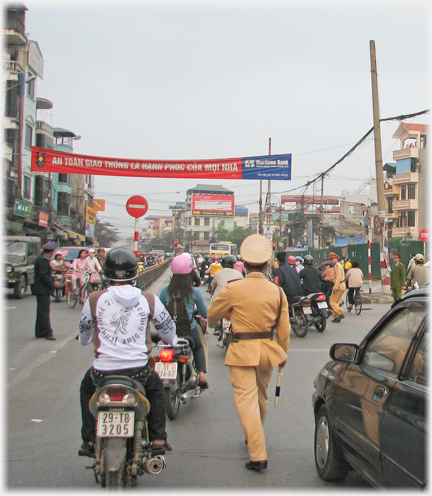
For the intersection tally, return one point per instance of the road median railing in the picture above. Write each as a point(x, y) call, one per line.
point(148, 276)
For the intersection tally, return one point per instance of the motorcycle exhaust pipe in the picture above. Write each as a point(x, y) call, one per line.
point(154, 465)
point(185, 397)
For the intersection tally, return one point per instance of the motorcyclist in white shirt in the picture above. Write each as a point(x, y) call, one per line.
point(116, 320)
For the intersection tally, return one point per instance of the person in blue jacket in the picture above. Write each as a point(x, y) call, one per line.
point(181, 286)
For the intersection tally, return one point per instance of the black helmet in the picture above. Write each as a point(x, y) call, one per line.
point(308, 260)
point(120, 265)
point(229, 261)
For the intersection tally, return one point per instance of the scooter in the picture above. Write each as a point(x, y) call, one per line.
point(122, 448)
point(175, 366)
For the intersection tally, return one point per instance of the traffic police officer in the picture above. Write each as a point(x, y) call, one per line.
point(256, 307)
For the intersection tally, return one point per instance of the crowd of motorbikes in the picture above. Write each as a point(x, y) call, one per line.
point(122, 449)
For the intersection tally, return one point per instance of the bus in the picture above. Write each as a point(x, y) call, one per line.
point(222, 249)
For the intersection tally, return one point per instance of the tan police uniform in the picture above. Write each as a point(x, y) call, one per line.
point(254, 304)
point(338, 288)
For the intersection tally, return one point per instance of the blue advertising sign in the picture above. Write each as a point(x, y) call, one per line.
point(274, 167)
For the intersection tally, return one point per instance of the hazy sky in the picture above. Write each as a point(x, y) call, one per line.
point(198, 80)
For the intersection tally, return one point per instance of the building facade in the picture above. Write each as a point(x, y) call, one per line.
point(406, 190)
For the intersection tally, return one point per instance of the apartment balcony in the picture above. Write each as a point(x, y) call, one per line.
point(13, 69)
point(405, 205)
point(406, 177)
point(405, 153)
point(402, 232)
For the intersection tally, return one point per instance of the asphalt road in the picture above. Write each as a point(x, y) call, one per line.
point(43, 418)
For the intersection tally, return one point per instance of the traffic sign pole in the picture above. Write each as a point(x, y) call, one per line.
point(136, 206)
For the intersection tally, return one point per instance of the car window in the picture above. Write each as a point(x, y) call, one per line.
point(32, 249)
point(387, 350)
point(418, 369)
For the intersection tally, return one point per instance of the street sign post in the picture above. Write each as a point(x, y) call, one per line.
point(424, 235)
point(136, 206)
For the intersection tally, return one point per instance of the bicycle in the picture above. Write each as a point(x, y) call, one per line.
point(82, 292)
point(358, 304)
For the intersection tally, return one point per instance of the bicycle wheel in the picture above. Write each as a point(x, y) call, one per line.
point(84, 295)
point(358, 303)
point(72, 298)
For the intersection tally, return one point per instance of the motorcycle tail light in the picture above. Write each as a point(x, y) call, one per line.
point(183, 359)
point(166, 355)
point(227, 316)
point(130, 399)
point(104, 398)
point(116, 393)
point(306, 303)
point(321, 297)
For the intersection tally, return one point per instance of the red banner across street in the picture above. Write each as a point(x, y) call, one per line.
point(277, 167)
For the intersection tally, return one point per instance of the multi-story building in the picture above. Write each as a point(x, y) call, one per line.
point(52, 206)
point(208, 208)
point(406, 188)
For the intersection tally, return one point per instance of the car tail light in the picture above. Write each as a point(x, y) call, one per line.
point(166, 355)
point(321, 297)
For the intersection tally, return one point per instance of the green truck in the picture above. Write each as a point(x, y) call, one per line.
point(20, 253)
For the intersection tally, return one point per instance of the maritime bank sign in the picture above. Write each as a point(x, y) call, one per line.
point(271, 167)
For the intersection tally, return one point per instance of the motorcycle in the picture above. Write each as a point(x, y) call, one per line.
point(297, 314)
point(315, 309)
point(225, 332)
point(122, 447)
point(60, 277)
point(175, 366)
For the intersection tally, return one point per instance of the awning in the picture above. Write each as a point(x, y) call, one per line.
point(74, 235)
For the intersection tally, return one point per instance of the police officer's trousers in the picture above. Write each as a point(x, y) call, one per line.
point(251, 400)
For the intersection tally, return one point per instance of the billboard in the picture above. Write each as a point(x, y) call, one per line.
point(271, 167)
point(203, 204)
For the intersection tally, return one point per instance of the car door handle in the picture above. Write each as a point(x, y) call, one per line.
point(379, 393)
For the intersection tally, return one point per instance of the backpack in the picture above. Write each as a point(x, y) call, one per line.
point(178, 312)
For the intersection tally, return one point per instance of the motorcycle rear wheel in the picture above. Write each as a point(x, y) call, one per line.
point(303, 325)
point(58, 295)
point(172, 400)
point(320, 327)
point(114, 480)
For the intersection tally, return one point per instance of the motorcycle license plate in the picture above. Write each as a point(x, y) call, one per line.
point(307, 310)
point(166, 370)
point(115, 424)
point(322, 304)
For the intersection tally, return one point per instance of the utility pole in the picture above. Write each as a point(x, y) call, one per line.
point(321, 239)
point(385, 273)
point(269, 212)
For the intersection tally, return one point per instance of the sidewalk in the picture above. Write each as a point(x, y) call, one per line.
point(376, 296)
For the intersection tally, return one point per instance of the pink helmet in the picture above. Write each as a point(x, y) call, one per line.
point(216, 258)
point(182, 264)
point(292, 259)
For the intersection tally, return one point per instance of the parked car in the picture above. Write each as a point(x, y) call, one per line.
point(20, 253)
point(370, 399)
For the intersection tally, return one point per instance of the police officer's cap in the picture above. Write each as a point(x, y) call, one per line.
point(49, 246)
point(256, 249)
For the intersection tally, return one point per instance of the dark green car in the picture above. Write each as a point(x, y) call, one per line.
point(20, 253)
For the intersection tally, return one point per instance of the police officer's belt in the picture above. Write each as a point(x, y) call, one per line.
point(252, 335)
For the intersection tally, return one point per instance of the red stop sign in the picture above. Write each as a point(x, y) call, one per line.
point(424, 235)
point(137, 206)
